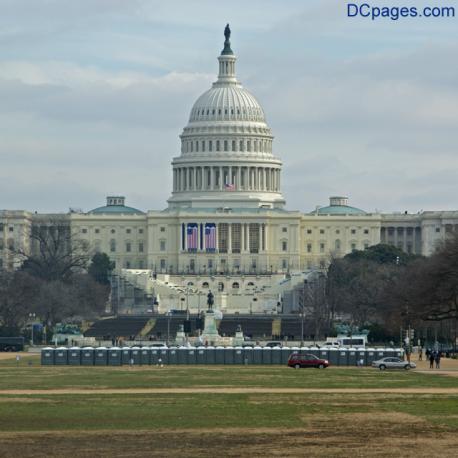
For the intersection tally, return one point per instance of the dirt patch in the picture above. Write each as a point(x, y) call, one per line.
point(232, 390)
point(325, 440)
point(12, 355)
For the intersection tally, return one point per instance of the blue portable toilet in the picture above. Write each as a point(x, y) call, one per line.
point(380, 353)
point(248, 355)
point(257, 355)
point(87, 356)
point(61, 356)
point(370, 356)
point(266, 355)
point(114, 356)
point(74, 356)
point(47, 356)
point(219, 355)
point(200, 355)
point(125, 355)
point(182, 355)
point(304, 350)
point(343, 357)
point(191, 356)
point(324, 353)
point(173, 355)
point(238, 355)
point(390, 352)
point(101, 356)
point(210, 355)
point(229, 355)
point(285, 352)
point(352, 357)
point(136, 355)
point(145, 356)
point(276, 355)
point(163, 356)
point(334, 356)
point(362, 354)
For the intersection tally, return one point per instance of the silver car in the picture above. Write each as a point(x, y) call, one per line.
point(393, 363)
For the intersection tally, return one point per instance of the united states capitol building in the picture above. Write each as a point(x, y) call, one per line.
point(226, 227)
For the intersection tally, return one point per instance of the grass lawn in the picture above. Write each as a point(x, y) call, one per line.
point(224, 424)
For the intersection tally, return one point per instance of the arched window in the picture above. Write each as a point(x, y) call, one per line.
point(190, 283)
point(250, 284)
point(205, 285)
point(235, 285)
point(220, 286)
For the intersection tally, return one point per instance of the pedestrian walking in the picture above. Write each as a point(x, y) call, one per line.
point(438, 360)
point(431, 360)
point(420, 354)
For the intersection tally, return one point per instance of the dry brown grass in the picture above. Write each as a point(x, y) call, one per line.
point(355, 435)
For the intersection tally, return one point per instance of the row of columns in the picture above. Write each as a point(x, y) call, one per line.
point(244, 238)
point(400, 237)
point(226, 177)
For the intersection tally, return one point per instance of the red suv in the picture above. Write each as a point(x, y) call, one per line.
point(298, 360)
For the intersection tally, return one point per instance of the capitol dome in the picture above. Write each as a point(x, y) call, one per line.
point(226, 148)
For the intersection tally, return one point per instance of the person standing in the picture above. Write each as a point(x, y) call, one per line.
point(438, 359)
point(420, 354)
point(431, 360)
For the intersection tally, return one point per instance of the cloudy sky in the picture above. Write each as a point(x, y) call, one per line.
point(94, 93)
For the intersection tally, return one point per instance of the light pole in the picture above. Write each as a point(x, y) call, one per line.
point(32, 318)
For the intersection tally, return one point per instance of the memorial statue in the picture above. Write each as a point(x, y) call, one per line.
point(227, 44)
point(210, 301)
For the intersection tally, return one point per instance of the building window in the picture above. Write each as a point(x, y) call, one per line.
point(337, 231)
point(97, 231)
point(309, 231)
point(162, 229)
point(162, 245)
point(217, 145)
point(162, 264)
point(366, 246)
point(140, 231)
point(233, 145)
point(337, 244)
point(140, 264)
point(284, 229)
point(84, 231)
point(113, 231)
point(366, 231)
point(205, 285)
point(284, 245)
point(284, 263)
point(210, 264)
point(309, 247)
point(128, 231)
point(220, 286)
point(210, 145)
point(353, 246)
point(438, 229)
point(140, 247)
point(353, 231)
point(321, 231)
point(225, 145)
point(112, 245)
point(128, 247)
point(321, 247)
point(235, 285)
point(11, 228)
point(127, 264)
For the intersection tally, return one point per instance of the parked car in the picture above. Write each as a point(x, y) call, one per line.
point(393, 363)
point(298, 360)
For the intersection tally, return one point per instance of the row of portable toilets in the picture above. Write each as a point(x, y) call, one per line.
point(115, 356)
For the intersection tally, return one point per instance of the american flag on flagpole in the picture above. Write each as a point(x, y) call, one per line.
point(191, 237)
point(210, 237)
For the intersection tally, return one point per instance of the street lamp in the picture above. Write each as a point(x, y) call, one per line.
point(32, 318)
